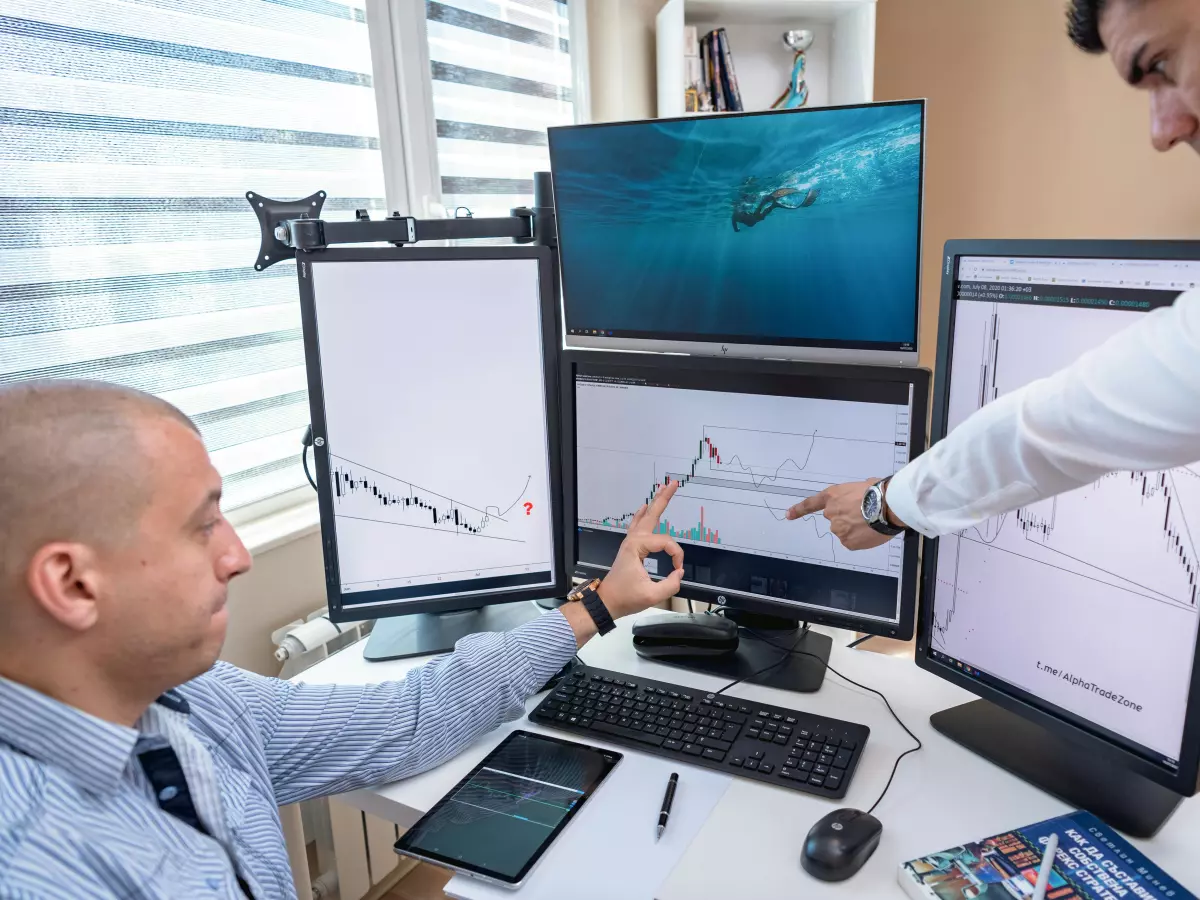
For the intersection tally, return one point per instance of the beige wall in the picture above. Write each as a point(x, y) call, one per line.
point(621, 58)
point(1028, 137)
point(285, 584)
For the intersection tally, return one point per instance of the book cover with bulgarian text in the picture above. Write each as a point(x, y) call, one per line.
point(1093, 862)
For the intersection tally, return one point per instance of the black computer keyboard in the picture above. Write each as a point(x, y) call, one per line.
point(767, 743)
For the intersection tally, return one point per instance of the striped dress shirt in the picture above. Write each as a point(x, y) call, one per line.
point(79, 817)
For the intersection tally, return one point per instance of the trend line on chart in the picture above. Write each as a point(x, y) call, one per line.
point(424, 507)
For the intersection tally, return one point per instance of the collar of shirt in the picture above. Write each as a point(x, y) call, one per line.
point(90, 751)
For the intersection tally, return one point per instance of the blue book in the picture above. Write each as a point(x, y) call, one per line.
point(1093, 862)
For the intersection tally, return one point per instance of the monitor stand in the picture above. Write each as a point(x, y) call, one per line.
point(794, 672)
point(421, 634)
point(1125, 800)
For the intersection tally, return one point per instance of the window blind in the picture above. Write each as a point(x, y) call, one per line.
point(501, 72)
point(129, 134)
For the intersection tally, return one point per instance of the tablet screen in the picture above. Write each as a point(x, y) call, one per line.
point(499, 820)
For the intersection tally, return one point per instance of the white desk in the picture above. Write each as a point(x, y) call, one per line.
point(750, 847)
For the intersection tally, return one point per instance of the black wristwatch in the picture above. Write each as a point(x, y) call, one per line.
point(875, 511)
point(588, 596)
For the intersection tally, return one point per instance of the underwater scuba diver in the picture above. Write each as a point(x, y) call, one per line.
point(753, 204)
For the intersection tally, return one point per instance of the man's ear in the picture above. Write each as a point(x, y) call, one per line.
point(63, 579)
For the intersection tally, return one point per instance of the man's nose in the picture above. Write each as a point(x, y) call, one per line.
point(1171, 121)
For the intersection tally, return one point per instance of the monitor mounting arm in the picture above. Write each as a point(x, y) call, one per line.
point(289, 226)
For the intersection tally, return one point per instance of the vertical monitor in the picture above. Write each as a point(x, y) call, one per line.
point(793, 233)
point(433, 386)
point(746, 440)
point(1082, 607)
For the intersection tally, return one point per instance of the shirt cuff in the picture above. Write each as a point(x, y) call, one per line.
point(902, 501)
point(547, 644)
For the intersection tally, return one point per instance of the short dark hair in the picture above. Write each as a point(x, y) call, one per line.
point(1083, 24)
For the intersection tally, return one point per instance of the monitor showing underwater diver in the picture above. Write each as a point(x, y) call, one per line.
point(792, 233)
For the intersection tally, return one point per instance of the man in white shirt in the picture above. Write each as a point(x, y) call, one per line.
point(1133, 403)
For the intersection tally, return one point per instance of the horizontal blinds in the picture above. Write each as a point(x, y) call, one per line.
point(501, 75)
point(129, 135)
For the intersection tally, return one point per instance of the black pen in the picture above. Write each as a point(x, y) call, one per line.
point(666, 807)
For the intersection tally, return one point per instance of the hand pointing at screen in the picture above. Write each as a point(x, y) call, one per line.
point(850, 513)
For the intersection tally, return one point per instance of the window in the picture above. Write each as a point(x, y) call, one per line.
point(501, 74)
point(130, 133)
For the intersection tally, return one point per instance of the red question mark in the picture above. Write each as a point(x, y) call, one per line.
point(528, 507)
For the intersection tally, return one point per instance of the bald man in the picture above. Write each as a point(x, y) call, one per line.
point(1131, 404)
point(132, 764)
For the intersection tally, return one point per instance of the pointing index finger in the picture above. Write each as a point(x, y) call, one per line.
point(808, 506)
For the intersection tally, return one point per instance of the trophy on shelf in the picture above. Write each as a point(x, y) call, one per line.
point(796, 94)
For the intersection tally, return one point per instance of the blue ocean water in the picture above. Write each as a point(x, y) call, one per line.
point(800, 225)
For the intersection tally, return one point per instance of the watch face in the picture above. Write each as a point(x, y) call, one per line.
point(870, 505)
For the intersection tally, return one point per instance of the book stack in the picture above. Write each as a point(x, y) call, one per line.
point(718, 86)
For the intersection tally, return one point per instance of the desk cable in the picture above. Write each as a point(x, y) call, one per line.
point(789, 651)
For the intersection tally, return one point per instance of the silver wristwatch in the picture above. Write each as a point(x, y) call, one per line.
point(874, 509)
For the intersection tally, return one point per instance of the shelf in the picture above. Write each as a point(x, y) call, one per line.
point(840, 65)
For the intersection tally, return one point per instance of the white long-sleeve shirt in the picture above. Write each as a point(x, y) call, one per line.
point(1131, 404)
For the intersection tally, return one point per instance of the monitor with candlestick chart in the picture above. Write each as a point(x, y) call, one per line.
point(432, 381)
point(746, 440)
point(1084, 605)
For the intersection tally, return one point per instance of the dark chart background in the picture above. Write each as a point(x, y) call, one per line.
point(646, 216)
point(505, 812)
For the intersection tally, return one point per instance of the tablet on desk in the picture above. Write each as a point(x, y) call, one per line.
point(499, 820)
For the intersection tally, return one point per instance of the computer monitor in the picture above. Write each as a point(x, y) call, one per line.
point(433, 386)
point(786, 234)
point(1074, 618)
point(746, 439)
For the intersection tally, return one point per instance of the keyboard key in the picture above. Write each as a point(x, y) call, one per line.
point(816, 745)
point(676, 734)
point(766, 768)
point(804, 734)
point(744, 710)
point(816, 781)
point(689, 727)
point(810, 756)
point(786, 730)
point(849, 745)
point(786, 773)
point(820, 770)
point(674, 695)
point(560, 717)
point(573, 720)
point(781, 739)
point(714, 754)
point(650, 727)
point(763, 714)
point(751, 764)
point(833, 781)
point(723, 746)
point(628, 733)
point(731, 732)
point(662, 720)
point(842, 760)
point(766, 737)
point(791, 720)
point(734, 718)
point(830, 749)
point(687, 697)
point(752, 734)
point(825, 759)
point(672, 745)
point(692, 750)
point(718, 704)
point(833, 741)
point(819, 738)
point(757, 723)
point(792, 762)
point(663, 731)
point(757, 754)
point(806, 766)
point(691, 718)
point(770, 726)
point(736, 761)
point(640, 707)
point(585, 723)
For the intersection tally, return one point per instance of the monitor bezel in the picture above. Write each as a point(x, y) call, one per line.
point(815, 351)
point(919, 379)
point(1183, 780)
point(339, 609)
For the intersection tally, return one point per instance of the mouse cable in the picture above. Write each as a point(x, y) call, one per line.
point(787, 651)
point(306, 442)
point(792, 650)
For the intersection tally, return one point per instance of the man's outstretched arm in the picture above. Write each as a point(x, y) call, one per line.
point(327, 739)
point(1132, 403)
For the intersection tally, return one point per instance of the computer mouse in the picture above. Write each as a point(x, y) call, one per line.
point(840, 843)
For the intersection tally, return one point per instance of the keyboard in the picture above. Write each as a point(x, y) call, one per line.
point(770, 744)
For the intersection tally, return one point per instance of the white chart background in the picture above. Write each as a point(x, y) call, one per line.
point(433, 377)
point(775, 451)
point(1089, 583)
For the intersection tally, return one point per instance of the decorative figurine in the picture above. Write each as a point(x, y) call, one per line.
point(796, 95)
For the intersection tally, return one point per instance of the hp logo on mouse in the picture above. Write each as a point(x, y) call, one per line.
point(837, 826)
